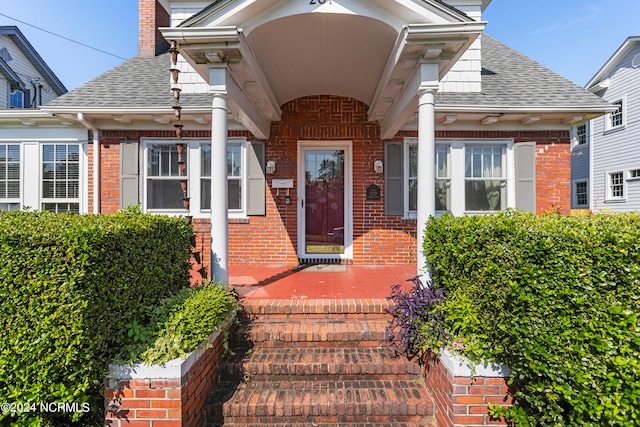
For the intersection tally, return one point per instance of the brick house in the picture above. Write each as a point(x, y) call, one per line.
point(299, 131)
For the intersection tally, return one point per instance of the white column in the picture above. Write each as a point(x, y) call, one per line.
point(426, 170)
point(219, 192)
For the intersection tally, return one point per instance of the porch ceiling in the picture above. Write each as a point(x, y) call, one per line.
point(323, 54)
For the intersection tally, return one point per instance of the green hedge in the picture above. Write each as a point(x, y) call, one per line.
point(180, 324)
point(70, 284)
point(555, 298)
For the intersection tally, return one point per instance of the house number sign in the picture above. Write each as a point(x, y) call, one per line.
point(318, 1)
point(373, 192)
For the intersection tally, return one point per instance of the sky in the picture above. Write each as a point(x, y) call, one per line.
point(574, 38)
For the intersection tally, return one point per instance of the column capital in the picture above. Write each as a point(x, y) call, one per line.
point(428, 88)
point(426, 93)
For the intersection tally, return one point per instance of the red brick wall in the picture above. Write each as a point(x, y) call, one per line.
point(463, 401)
point(155, 402)
point(378, 239)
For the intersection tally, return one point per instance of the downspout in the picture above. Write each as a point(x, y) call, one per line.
point(95, 135)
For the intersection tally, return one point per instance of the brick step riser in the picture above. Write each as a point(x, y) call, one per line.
point(323, 377)
point(342, 424)
point(268, 371)
point(343, 420)
point(266, 344)
point(326, 335)
point(317, 309)
point(319, 316)
point(336, 399)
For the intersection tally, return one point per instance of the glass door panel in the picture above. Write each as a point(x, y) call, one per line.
point(324, 202)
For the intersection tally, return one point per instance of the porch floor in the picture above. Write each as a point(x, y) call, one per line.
point(318, 282)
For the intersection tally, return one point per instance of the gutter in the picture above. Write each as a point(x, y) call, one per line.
point(95, 134)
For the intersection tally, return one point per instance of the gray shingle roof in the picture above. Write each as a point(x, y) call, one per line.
point(140, 82)
point(510, 78)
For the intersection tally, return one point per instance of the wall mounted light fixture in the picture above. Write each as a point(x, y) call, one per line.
point(377, 166)
point(271, 167)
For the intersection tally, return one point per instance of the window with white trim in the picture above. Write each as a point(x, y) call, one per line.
point(60, 178)
point(43, 176)
point(616, 118)
point(235, 175)
point(580, 193)
point(634, 174)
point(615, 186)
point(442, 193)
point(167, 178)
point(10, 177)
point(581, 134)
point(470, 177)
point(485, 180)
point(443, 180)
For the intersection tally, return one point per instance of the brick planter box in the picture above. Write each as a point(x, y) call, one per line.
point(462, 391)
point(168, 395)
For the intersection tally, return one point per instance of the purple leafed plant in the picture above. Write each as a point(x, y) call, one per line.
point(417, 326)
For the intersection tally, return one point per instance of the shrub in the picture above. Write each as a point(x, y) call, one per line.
point(70, 283)
point(417, 324)
point(180, 324)
point(555, 298)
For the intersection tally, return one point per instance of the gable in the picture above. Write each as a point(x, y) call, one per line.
point(623, 57)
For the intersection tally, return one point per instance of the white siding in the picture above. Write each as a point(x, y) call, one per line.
point(189, 81)
point(618, 149)
point(4, 93)
point(465, 75)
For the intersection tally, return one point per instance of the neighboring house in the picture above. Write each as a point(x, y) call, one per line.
point(25, 79)
point(325, 130)
point(26, 83)
point(606, 161)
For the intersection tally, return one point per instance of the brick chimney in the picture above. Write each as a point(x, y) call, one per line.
point(151, 15)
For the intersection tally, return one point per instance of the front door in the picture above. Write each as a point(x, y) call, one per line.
point(324, 195)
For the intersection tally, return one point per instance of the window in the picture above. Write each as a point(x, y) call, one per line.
point(615, 187)
point(165, 176)
point(9, 177)
point(17, 99)
point(442, 178)
point(235, 175)
point(484, 179)
point(168, 179)
point(470, 177)
point(61, 177)
point(443, 181)
point(616, 119)
point(581, 197)
point(581, 134)
point(634, 174)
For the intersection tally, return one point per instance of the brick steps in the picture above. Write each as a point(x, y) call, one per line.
point(333, 424)
point(264, 364)
point(317, 363)
point(312, 332)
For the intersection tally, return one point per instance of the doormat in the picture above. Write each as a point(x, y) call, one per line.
point(322, 268)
